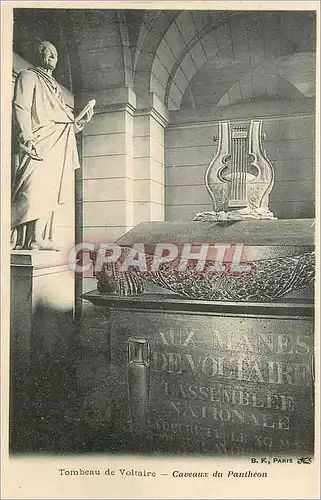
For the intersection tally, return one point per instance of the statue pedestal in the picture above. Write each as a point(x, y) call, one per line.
point(42, 309)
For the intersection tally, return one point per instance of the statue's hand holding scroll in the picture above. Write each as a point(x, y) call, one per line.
point(85, 115)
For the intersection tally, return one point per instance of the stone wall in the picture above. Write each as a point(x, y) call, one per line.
point(189, 148)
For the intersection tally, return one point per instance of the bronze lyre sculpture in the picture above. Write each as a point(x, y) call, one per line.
point(240, 177)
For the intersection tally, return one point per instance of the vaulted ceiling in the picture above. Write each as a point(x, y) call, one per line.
point(237, 55)
point(189, 59)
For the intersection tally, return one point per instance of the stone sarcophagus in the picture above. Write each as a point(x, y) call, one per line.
point(211, 337)
point(230, 260)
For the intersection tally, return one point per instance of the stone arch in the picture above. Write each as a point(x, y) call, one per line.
point(285, 78)
point(152, 29)
point(268, 86)
point(125, 45)
point(179, 55)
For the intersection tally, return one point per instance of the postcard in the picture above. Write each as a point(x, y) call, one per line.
point(160, 250)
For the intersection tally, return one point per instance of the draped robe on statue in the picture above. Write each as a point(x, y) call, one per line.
point(41, 115)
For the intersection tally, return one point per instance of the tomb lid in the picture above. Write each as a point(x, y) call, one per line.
point(281, 232)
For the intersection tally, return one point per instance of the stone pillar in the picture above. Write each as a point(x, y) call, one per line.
point(122, 180)
point(149, 123)
point(105, 192)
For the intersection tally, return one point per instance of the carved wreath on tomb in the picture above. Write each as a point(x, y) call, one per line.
point(266, 279)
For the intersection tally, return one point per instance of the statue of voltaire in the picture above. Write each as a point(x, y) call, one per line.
point(47, 155)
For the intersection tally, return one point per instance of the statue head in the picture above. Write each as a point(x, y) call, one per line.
point(48, 55)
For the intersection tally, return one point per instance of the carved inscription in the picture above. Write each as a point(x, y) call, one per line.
point(219, 384)
point(232, 391)
point(240, 369)
point(233, 341)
